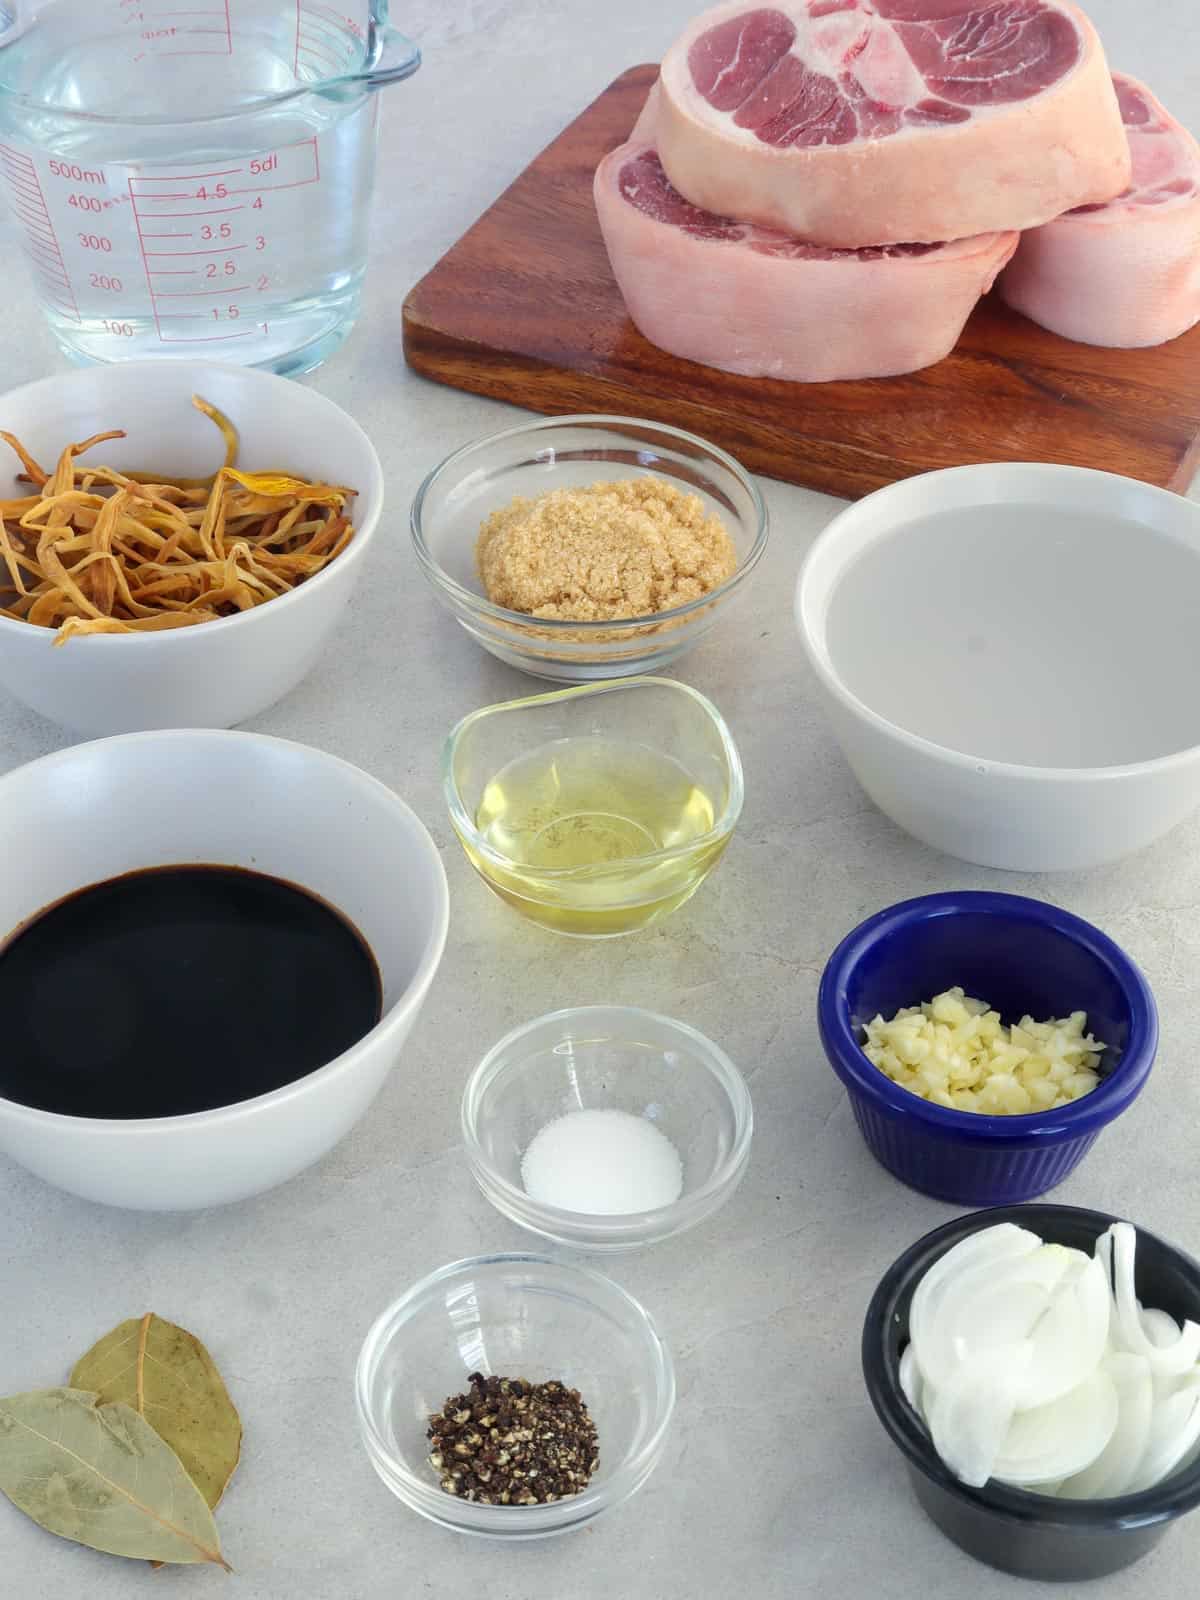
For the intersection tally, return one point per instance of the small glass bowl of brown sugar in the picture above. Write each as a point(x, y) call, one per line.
point(589, 547)
point(542, 1326)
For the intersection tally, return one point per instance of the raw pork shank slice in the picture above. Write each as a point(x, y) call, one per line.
point(1128, 273)
point(864, 122)
point(755, 301)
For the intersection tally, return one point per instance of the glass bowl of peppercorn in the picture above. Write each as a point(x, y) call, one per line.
point(514, 1396)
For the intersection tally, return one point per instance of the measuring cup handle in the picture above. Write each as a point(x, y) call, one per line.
point(398, 59)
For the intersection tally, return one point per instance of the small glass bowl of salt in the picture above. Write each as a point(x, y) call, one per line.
point(607, 1127)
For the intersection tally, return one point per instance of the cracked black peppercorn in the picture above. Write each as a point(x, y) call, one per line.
point(511, 1443)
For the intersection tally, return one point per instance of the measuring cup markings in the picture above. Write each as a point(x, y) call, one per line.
point(169, 252)
point(292, 167)
point(321, 36)
point(29, 206)
point(155, 30)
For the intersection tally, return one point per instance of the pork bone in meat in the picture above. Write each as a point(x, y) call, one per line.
point(752, 300)
point(1126, 273)
point(865, 122)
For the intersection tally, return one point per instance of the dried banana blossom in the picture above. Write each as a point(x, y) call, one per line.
point(95, 550)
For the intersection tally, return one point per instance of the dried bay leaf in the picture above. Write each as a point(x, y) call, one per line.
point(100, 1475)
point(167, 1375)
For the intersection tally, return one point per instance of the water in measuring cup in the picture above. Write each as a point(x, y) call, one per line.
point(242, 238)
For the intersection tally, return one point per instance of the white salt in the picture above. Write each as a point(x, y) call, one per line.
point(604, 1162)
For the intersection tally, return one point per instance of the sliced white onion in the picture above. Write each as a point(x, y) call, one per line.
point(971, 1413)
point(1051, 1442)
point(1188, 1459)
point(1165, 1360)
point(1115, 1467)
point(910, 1378)
point(1174, 1434)
point(1002, 1241)
point(1160, 1328)
point(1103, 1252)
point(1037, 1366)
point(991, 1305)
point(1069, 1341)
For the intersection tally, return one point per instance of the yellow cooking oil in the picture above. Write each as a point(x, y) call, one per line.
point(597, 835)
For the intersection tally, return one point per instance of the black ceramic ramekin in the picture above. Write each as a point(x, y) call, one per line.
point(1032, 1535)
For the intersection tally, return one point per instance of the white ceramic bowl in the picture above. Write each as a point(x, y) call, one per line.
point(238, 799)
point(1010, 657)
point(216, 673)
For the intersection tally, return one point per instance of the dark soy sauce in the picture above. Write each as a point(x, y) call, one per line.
point(179, 989)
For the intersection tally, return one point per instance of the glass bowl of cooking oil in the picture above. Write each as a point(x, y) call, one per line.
point(597, 810)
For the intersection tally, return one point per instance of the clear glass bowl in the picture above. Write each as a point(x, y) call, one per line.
point(515, 1316)
point(573, 452)
point(622, 1058)
point(648, 719)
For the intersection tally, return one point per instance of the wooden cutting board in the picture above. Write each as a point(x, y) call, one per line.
point(524, 308)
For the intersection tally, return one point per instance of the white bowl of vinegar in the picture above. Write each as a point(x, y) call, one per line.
point(1009, 657)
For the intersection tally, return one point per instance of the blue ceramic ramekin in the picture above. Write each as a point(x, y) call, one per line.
point(1021, 956)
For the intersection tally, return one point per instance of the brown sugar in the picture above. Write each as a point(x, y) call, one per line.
point(630, 547)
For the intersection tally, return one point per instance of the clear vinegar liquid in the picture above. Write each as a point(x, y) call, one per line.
point(602, 811)
point(268, 275)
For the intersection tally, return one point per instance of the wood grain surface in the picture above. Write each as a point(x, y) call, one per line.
point(524, 308)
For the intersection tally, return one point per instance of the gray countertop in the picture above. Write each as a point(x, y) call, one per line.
point(777, 1480)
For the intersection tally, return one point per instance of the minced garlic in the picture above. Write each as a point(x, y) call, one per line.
point(629, 547)
point(956, 1052)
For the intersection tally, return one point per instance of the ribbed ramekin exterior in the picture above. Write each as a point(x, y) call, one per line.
point(965, 1172)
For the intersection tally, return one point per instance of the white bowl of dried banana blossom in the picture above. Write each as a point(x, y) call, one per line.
point(178, 539)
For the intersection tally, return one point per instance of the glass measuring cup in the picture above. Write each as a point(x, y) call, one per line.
point(193, 176)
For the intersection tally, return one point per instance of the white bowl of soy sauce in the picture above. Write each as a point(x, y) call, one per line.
point(215, 946)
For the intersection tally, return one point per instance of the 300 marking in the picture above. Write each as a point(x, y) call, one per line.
point(95, 241)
